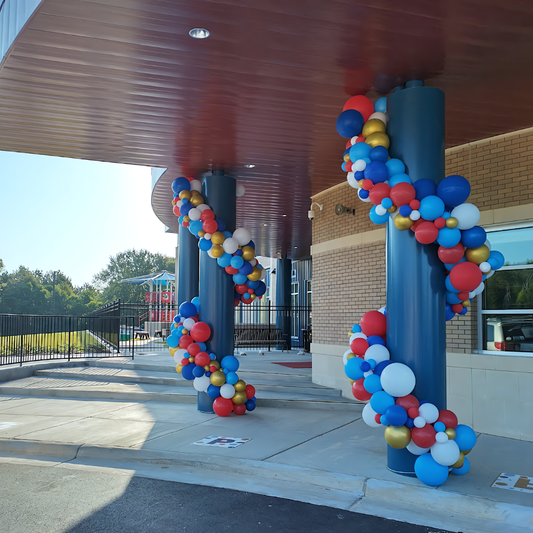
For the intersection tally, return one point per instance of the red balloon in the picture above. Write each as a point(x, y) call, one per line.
point(360, 139)
point(241, 289)
point(466, 276)
point(374, 323)
point(451, 255)
point(359, 391)
point(250, 391)
point(360, 103)
point(414, 204)
point(348, 144)
point(377, 418)
point(402, 193)
point(194, 349)
point(230, 270)
point(202, 359)
point(207, 214)
point(367, 185)
point(185, 340)
point(457, 308)
point(209, 226)
point(378, 192)
point(239, 409)
point(185, 361)
point(448, 418)
point(416, 224)
point(250, 291)
point(246, 301)
point(426, 232)
point(236, 302)
point(440, 223)
point(408, 402)
point(348, 166)
point(222, 406)
point(423, 437)
point(185, 224)
point(413, 412)
point(176, 210)
point(200, 332)
point(359, 346)
point(463, 296)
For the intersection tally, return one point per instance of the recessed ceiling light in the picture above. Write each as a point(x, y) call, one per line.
point(264, 224)
point(296, 246)
point(249, 166)
point(199, 33)
point(283, 215)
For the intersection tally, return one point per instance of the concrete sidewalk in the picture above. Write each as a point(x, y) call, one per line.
point(326, 456)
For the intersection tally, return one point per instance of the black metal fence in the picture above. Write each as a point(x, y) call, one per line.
point(29, 338)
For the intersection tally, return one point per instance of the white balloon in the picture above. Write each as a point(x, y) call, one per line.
point(490, 274)
point(180, 354)
point(345, 356)
point(196, 185)
point(207, 236)
point(230, 245)
point(359, 335)
point(441, 437)
point(352, 182)
point(415, 214)
point(377, 352)
point(359, 165)
point(202, 207)
point(242, 236)
point(380, 116)
point(485, 267)
point(201, 384)
point(467, 216)
point(487, 244)
point(263, 274)
point(179, 203)
point(353, 140)
point(419, 422)
point(416, 450)
point(240, 190)
point(445, 453)
point(368, 373)
point(428, 412)
point(395, 214)
point(188, 323)
point(380, 210)
point(382, 310)
point(210, 254)
point(369, 416)
point(227, 391)
point(194, 214)
point(398, 380)
point(253, 262)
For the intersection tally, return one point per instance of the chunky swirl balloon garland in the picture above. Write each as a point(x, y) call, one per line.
point(437, 214)
point(235, 252)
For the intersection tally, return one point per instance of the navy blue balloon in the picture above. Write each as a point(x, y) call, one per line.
point(250, 405)
point(187, 371)
point(181, 184)
point(238, 253)
point(261, 289)
point(187, 309)
point(405, 210)
point(350, 123)
point(463, 311)
point(221, 224)
point(213, 391)
point(424, 187)
point(410, 423)
point(185, 208)
point(396, 415)
point(375, 339)
point(474, 237)
point(449, 313)
point(377, 171)
point(246, 268)
point(252, 284)
point(381, 366)
point(454, 190)
point(451, 298)
point(363, 194)
point(197, 371)
point(379, 153)
point(252, 244)
point(359, 175)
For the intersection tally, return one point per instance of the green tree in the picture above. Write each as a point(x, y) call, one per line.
point(129, 264)
point(23, 293)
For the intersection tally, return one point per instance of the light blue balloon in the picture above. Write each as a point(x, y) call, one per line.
point(232, 378)
point(227, 234)
point(431, 207)
point(465, 437)
point(380, 401)
point(429, 471)
point(239, 279)
point(224, 260)
point(196, 302)
point(230, 363)
point(205, 244)
point(173, 341)
point(399, 178)
point(359, 151)
point(449, 286)
point(353, 368)
point(451, 298)
point(381, 104)
point(237, 261)
point(378, 219)
point(496, 260)
point(395, 166)
point(449, 237)
point(372, 384)
point(356, 328)
point(463, 470)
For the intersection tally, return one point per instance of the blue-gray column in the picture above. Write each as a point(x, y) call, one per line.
point(283, 297)
point(416, 324)
point(216, 286)
point(188, 266)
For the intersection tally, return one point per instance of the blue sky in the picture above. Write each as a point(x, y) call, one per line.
point(72, 215)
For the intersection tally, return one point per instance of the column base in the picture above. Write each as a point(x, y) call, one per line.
point(401, 462)
point(204, 403)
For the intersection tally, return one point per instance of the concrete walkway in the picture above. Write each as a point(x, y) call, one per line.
point(306, 442)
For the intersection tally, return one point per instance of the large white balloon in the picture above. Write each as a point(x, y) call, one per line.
point(352, 181)
point(398, 380)
point(230, 245)
point(201, 384)
point(416, 450)
point(467, 216)
point(180, 354)
point(194, 214)
point(369, 416)
point(240, 190)
point(202, 207)
point(227, 391)
point(359, 165)
point(188, 323)
point(196, 185)
point(377, 352)
point(242, 236)
point(446, 453)
point(428, 412)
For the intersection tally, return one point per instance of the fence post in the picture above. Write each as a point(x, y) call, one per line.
point(21, 341)
point(69, 329)
point(269, 322)
point(132, 341)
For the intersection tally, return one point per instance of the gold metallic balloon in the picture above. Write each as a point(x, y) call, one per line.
point(239, 398)
point(178, 368)
point(185, 194)
point(466, 303)
point(173, 350)
point(477, 255)
point(378, 139)
point(248, 253)
point(191, 359)
point(196, 200)
point(392, 209)
point(398, 437)
point(350, 356)
point(352, 381)
point(206, 368)
point(466, 452)
point(450, 432)
point(255, 275)
point(374, 125)
point(215, 363)
point(240, 385)
point(174, 202)
point(451, 222)
point(347, 158)
point(403, 223)
point(217, 251)
point(460, 462)
point(201, 233)
point(186, 218)
point(217, 378)
point(253, 297)
point(218, 237)
point(184, 331)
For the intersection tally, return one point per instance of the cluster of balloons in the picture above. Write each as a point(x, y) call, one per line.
point(434, 435)
point(218, 379)
point(235, 252)
point(435, 213)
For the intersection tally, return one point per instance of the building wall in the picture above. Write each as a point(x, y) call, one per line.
point(492, 393)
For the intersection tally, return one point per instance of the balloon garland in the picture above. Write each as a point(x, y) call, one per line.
point(236, 254)
point(437, 214)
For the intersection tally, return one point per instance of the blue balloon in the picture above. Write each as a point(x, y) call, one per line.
point(380, 401)
point(185, 208)
point(221, 224)
point(227, 234)
point(431, 207)
point(363, 194)
point(359, 151)
point(439, 426)
point(399, 178)
point(405, 210)
point(424, 187)
point(463, 470)
point(251, 244)
point(213, 391)
point(410, 423)
point(187, 309)
point(474, 237)
point(449, 237)
point(451, 298)
point(202, 345)
point(180, 219)
point(195, 226)
point(261, 289)
point(454, 190)
point(381, 104)
point(224, 260)
point(387, 203)
point(395, 166)
point(230, 363)
point(378, 219)
point(359, 175)
point(496, 260)
point(246, 296)
point(429, 471)
point(365, 366)
point(250, 405)
point(177, 318)
point(377, 172)
point(204, 244)
point(372, 384)
point(176, 332)
point(246, 268)
point(343, 166)
point(379, 153)
point(396, 415)
point(197, 371)
point(449, 266)
point(181, 184)
point(465, 437)
point(375, 339)
point(350, 123)
point(463, 311)
point(252, 284)
point(239, 279)
point(237, 261)
point(187, 371)
point(384, 421)
point(353, 368)
point(173, 341)
point(232, 378)
point(449, 286)
point(356, 328)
